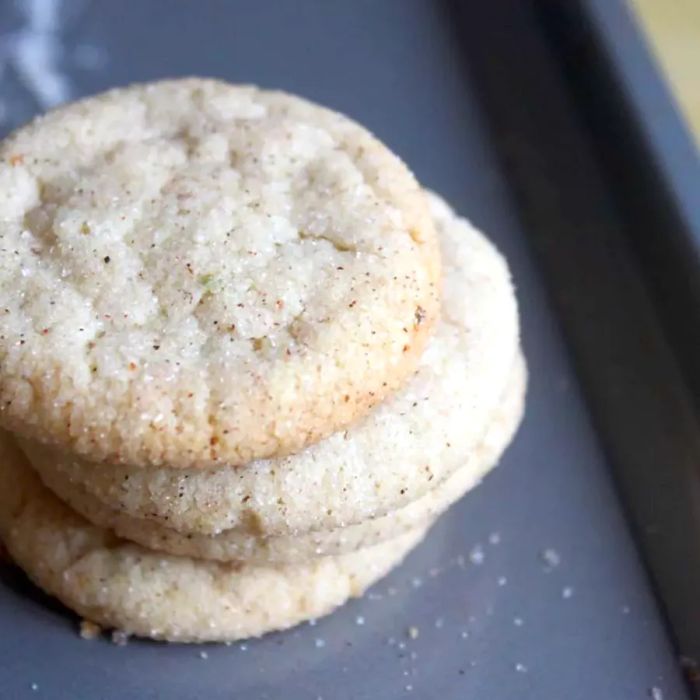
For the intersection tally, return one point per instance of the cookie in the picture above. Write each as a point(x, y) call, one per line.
point(390, 458)
point(242, 545)
point(200, 274)
point(124, 586)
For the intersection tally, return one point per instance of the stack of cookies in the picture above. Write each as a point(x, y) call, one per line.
point(245, 360)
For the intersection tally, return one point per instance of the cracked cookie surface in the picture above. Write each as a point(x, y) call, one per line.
point(195, 273)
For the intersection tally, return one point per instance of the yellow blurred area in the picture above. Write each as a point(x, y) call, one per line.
point(673, 30)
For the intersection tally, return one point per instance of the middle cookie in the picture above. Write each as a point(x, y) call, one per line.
point(251, 548)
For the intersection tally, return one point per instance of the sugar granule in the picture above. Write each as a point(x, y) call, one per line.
point(550, 557)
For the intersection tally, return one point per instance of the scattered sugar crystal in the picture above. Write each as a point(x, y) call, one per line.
point(409, 688)
point(359, 620)
point(495, 538)
point(243, 647)
point(550, 557)
point(320, 643)
point(518, 621)
point(439, 623)
point(34, 687)
point(416, 582)
point(625, 610)
point(567, 592)
point(312, 622)
point(502, 580)
point(521, 668)
point(465, 634)
point(203, 655)
point(656, 693)
point(476, 556)
point(413, 632)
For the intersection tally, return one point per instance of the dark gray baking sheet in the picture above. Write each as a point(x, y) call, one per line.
point(497, 618)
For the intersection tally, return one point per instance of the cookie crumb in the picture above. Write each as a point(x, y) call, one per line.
point(120, 638)
point(655, 693)
point(89, 630)
point(551, 558)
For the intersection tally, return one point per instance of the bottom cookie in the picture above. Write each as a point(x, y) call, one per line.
point(128, 587)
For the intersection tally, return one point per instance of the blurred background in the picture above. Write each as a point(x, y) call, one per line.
point(52, 50)
point(673, 30)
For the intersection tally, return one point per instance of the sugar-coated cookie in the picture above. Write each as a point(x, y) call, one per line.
point(125, 586)
point(196, 273)
point(242, 545)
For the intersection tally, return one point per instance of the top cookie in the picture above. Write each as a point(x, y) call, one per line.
point(194, 272)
